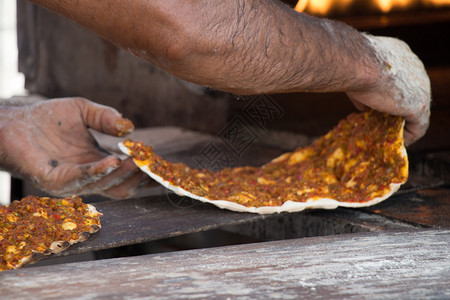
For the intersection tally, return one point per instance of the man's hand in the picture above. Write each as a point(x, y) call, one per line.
point(403, 87)
point(50, 144)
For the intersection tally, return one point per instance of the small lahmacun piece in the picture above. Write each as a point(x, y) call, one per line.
point(38, 226)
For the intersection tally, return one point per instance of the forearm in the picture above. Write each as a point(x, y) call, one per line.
point(244, 46)
point(267, 47)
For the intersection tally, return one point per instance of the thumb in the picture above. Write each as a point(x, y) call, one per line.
point(103, 118)
point(360, 106)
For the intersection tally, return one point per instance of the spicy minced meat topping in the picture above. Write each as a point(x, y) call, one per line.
point(34, 223)
point(355, 162)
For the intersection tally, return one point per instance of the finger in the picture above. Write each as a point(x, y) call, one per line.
point(413, 132)
point(360, 106)
point(102, 167)
point(71, 179)
point(104, 119)
point(126, 169)
point(93, 172)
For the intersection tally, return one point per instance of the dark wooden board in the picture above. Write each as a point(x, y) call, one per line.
point(384, 265)
point(427, 207)
point(132, 221)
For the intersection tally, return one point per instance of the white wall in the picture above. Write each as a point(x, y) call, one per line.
point(11, 81)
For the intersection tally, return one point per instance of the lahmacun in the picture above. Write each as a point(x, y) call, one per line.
point(360, 162)
point(38, 226)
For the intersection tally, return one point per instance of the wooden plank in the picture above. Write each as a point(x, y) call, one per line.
point(127, 222)
point(312, 223)
point(132, 221)
point(386, 265)
point(427, 207)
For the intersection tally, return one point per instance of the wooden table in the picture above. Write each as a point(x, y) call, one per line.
point(383, 265)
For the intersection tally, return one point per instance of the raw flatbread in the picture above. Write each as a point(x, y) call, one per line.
point(360, 162)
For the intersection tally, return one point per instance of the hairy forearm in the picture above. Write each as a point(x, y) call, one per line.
point(241, 46)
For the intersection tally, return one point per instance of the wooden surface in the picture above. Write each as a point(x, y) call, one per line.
point(132, 221)
point(427, 207)
point(385, 265)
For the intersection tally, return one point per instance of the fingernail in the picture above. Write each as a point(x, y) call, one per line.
point(109, 170)
point(124, 126)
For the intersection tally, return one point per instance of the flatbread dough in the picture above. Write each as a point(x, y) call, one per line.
point(360, 162)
